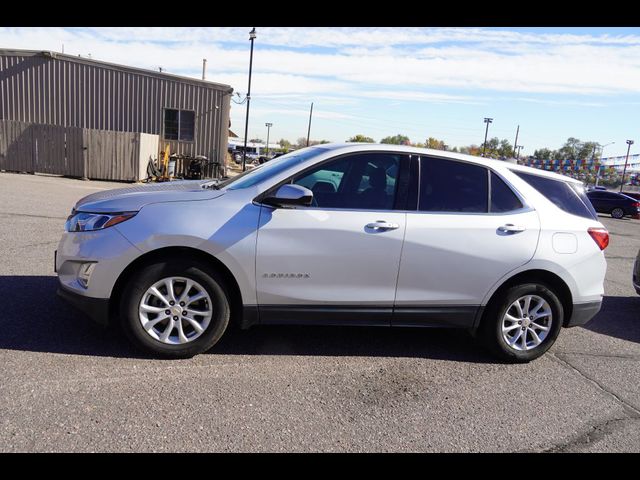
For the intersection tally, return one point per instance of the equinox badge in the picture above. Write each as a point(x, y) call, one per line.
point(286, 275)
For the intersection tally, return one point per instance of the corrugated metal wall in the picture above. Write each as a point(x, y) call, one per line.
point(63, 90)
point(74, 151)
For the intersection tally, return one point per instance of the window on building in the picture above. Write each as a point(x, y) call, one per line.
point(179, 124)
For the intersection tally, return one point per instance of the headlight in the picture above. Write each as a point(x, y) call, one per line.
point(86, 222)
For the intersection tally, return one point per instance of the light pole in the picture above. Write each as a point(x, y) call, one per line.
point(518, 147)
point(252, 37)
point(309, 129)
point(268, 125)
point(629, 142)
point(601, 165)
point(484, 145)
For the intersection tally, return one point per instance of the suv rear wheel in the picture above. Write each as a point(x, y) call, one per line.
point(175, 309)
point(524, 324)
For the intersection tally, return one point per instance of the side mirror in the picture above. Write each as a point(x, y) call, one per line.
point(290, 196)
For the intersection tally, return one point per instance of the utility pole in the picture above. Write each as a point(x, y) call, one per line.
point(268, 125)
point(519, 147)
point(593, 157)
point(204, 67)
point(629, 142)
point(252, 37)
point(515, 144)
point(601, 164)
point(484, 145)
point(309, 129)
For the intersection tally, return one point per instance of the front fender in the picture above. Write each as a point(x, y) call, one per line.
point(223, 229)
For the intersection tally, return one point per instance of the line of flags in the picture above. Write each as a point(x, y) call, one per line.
point(591, 165)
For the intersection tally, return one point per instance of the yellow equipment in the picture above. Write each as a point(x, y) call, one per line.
point(165, 164)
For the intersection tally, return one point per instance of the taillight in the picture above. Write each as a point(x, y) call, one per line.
point(600, 236)
point(636, 204)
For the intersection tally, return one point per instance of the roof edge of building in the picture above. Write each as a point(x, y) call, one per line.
point(115, 66)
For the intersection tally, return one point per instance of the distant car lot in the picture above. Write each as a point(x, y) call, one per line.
point(70, 386)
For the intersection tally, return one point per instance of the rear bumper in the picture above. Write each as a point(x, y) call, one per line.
point(583, 313)
point(96, 308)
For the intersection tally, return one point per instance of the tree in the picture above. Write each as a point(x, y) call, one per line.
point(396, 140)
point(543, 154)
point(361, 139)
point(302, 142)
point(570, 149)
point(285, 144)
point(435, 144)
point(588, 150)
point(505, 149)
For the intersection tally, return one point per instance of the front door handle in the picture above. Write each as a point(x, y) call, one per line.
point(511, 228)
point(382, 225)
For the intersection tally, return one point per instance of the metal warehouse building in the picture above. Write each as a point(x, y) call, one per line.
point(77, 116)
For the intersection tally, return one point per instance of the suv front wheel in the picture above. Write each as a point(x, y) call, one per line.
point(175, 309)
point(524, 324)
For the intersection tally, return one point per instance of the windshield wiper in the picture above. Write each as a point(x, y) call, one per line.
point(212, 184)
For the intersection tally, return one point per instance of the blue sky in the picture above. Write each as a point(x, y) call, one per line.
point(421, 82)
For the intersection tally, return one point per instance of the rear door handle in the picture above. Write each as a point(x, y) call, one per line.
point(511, 228)
point(382, 225)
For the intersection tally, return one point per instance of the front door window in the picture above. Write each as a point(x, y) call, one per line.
point(365, 181)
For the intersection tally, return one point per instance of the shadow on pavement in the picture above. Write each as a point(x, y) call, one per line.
point(36, 319)
point(619, 317)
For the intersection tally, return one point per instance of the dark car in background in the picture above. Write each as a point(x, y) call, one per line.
point(617, 205)
point(636, 274)
point(635, 195)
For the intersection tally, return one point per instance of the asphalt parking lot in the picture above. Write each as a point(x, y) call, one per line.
point(68, 385)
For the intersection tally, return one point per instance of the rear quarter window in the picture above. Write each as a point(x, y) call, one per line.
point(502, 197)
point(566, 196)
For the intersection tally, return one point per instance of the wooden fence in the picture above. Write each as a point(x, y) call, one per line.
point(75, 152)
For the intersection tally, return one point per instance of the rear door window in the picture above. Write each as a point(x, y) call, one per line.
point(502, 197)
point(452, 186)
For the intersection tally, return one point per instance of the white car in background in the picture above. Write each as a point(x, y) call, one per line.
point(341, 234)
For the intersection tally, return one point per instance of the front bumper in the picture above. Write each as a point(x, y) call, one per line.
point(96, 308)
point(108, 249)
point(583, 313)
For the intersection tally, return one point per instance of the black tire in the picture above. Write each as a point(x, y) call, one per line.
point(490, 331)
point(207, 277)
point(617, 213)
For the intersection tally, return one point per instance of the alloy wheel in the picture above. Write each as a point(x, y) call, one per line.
point(526, 323)
point(175, 310)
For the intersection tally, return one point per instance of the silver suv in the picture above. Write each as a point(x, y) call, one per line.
point(343, 234)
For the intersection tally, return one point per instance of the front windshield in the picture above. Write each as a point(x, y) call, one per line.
point(270, 169)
